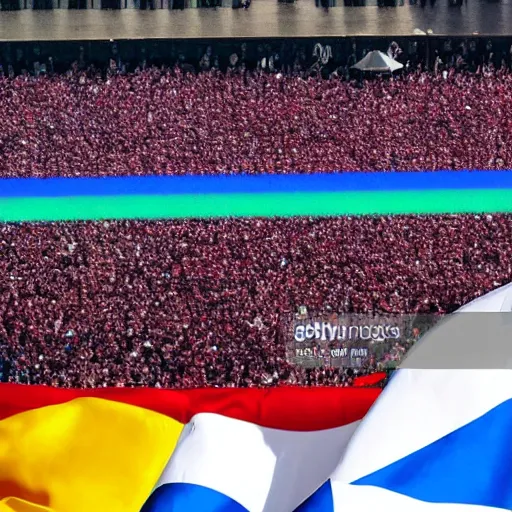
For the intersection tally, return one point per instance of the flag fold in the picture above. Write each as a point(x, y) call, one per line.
point(112, 449)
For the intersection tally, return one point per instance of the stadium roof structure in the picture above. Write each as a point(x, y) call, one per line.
point(378, 62)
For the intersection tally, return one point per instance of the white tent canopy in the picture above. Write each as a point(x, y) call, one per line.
point(379, 62)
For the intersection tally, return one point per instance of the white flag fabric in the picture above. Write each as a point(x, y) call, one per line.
point(436, 440)
point(245, 467)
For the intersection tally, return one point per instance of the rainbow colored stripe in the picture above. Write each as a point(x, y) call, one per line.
point(168, 197)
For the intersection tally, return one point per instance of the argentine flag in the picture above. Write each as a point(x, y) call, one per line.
point(438, 439)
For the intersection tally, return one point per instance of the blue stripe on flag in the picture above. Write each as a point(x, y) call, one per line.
point(182, 497)
point(262, 183)
point(472, 465)
point(320, 501)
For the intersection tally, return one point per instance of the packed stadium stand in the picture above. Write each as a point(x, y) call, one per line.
point(199, 302)
point(165, 122)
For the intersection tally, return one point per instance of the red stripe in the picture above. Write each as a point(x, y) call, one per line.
point(287, 408)
point(370, 380)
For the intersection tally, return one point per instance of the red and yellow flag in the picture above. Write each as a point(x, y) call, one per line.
point(104, 450)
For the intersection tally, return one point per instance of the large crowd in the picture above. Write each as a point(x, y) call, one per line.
point(171, 122)
point(201, 303)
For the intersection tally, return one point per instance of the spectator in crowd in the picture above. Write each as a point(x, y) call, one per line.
point(394, 51)
point(206, 62)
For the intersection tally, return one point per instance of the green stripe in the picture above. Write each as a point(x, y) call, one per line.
point(249, 205)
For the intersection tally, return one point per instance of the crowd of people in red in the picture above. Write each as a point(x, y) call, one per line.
point(200, 303)
point(170, 122)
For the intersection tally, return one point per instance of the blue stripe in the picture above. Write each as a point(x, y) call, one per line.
point(319, 501)
point(181, 497)
point(236, 184)
point(471, 466)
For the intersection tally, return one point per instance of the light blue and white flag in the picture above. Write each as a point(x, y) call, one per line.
point(439, 438)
